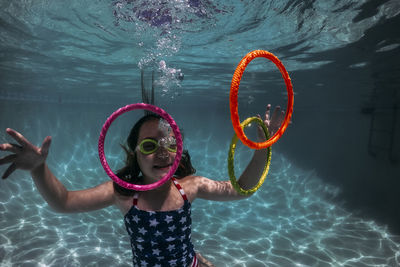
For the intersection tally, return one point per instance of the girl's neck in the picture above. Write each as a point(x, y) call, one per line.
point(164, 188)
point(156, 198)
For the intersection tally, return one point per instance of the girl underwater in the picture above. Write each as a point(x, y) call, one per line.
point(158, 221)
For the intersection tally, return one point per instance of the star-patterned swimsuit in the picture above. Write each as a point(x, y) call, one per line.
point(161, 238)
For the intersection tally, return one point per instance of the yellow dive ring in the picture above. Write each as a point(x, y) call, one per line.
point(231, 155)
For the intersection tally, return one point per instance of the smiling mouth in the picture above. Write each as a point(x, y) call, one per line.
point(162, 166)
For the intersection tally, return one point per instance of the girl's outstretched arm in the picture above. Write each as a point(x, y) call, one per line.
point(254, 169)
point(28, 157)
point(223, 190)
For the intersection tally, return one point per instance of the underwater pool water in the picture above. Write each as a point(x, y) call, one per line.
point(66, 66)
point(293, 220)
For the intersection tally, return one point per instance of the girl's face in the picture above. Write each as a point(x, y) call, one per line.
point(156, 165)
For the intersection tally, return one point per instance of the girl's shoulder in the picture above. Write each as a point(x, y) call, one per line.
point(190, 180)
point(190, 185)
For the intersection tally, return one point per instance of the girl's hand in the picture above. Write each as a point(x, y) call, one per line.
point(26, 156)
point(273, 123)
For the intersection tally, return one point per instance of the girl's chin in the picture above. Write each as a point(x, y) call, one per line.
point(161, 172)
point(162, 169)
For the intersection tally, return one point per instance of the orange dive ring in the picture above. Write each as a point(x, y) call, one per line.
point(233, 99)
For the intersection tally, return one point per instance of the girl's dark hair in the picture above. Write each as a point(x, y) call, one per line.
point(131, 172)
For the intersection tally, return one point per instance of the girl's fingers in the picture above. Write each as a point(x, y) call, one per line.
point(276, 113)
point(267, 112)
point(10, 170)
point(18, 137)
point(7, 159)
point(14, 148)
point(46, 145)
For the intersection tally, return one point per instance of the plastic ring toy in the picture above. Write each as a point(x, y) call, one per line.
point(233, 99)
point(231, 155)
point(178, 138)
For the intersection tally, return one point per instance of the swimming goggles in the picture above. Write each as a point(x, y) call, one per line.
point(149, 146)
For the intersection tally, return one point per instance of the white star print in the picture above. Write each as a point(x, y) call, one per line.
point(158, 233)
point(172, 262)
point(153, 222)
point(135, 218)
point(156, 252)
point(168, 219)
point(170, 239)
point(169, 227)
point(142, 231)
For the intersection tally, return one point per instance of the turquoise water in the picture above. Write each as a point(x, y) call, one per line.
point(293, 220)
point(65, 67)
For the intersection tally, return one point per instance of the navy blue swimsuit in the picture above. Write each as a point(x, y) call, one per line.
point(161, 238)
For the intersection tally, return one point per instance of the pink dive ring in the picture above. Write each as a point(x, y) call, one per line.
point(178, 138)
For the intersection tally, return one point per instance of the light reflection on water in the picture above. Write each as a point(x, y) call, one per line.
point(292, 221)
